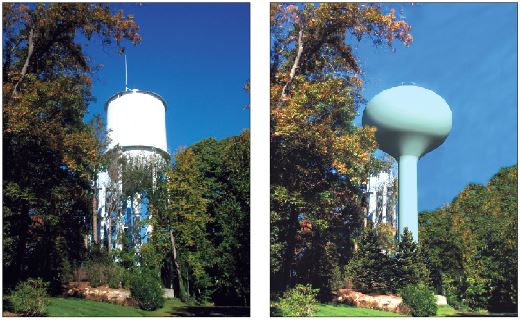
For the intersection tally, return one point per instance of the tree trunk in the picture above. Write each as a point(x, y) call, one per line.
point(94, 217)
point(109, 231)
point(294, 67)
point(30, 49)
point(176, 264)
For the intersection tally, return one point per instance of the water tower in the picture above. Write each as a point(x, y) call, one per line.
point(136, 122)
point(410, 121)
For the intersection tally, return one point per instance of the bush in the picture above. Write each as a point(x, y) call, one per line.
point(126, 277)
point(451, 293)
point(96, 273)
point(146, 288)
point(30, 298)
point(299, 301)
point(115, 276)
point(420, 299)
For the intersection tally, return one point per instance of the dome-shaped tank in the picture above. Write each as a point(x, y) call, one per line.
point(409, 120)
point(136, 120)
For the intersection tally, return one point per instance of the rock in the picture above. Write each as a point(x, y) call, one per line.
point(441, 300)
point(168, 293)
point(390, 303)
point(101, 293)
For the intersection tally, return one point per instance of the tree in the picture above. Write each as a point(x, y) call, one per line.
point(318, 156)
point(50, 154)
point(471, 247)
point(371, 270)
point(409, 264)
point(201, 221)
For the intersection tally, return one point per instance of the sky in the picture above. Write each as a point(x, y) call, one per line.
point(466, 53)
point(194, 55)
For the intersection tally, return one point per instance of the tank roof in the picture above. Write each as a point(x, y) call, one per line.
point(122, 93)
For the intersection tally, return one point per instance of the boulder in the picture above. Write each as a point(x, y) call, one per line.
point(168, 293)
point(102, 293)
point(383, 302)
point(441, 300)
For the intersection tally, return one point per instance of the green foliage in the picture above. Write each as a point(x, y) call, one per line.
point(375, 269)
point(470, 245)
point(420, 298)
point(115, 276)
point(370, 270)
point(208, 219)
point(451, 293)
point(146, 288)
point(30, 298)
point(51, 153)
point(319, 158)
point(409, 264)
point(96, 273)
point(299, 301)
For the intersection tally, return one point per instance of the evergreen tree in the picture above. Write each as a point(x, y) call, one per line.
point(370, 270)
point(409, 266)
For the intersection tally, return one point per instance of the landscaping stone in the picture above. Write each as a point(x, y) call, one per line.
point(389, 302)
point(168, 293)
point(441, 300)
point(102, 293)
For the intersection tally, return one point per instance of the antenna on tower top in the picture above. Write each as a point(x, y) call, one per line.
point(126, 75)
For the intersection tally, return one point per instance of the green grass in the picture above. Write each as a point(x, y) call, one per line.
point(332, 310)
point(74, 307)
point(342, 310)
point(444, 311)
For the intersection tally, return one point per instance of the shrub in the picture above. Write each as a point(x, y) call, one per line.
point(299, 301)
point(126, 277)
point(30, 298)
point(477, 293)
point(451, 293)
point(96, 273)
point(420, 299)
point(146, 288)
point(115, 276)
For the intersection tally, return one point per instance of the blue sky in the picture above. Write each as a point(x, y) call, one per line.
point(196, 56)
point(467, 53)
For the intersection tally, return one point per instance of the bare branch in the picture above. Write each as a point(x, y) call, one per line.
point(26, 64)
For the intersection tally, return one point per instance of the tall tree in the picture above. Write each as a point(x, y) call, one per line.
point(50, 154)
point(409, 263)
point(201, 221)
point(318, 156)
point(471, 246)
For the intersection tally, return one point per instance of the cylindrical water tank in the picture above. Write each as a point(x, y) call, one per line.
point(136, 121)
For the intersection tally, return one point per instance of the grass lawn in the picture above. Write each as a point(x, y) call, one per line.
point(342, 310)
point(332, 310)
point(74, 307)
point(445, 311)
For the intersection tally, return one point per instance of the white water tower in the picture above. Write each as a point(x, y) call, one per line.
point(136, 122)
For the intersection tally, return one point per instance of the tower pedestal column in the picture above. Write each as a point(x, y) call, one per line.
point(408, 216)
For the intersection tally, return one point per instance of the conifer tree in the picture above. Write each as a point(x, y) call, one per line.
point(409, 265)
point(370, 268)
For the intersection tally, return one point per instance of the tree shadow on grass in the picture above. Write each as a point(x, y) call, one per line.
point(211, 312)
